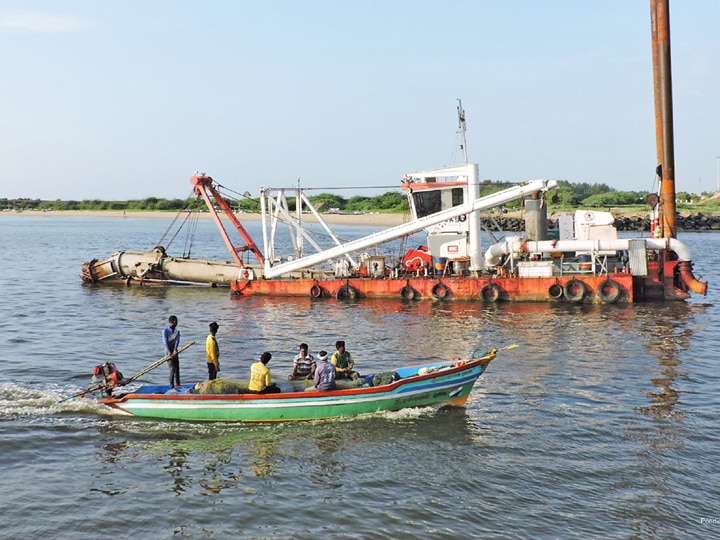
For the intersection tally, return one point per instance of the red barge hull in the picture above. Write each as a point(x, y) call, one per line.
point(619, 287)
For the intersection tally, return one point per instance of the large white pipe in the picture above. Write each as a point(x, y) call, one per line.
point(475, 245)
point(494, 253)
point(156, 265)
point(501, 197)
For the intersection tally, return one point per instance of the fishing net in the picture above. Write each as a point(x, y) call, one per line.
point(223, 386)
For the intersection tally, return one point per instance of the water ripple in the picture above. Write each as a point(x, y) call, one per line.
point(600, 424)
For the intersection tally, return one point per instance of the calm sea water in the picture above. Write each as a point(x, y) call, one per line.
point(602, 423)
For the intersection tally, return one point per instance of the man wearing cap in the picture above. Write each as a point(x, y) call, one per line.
point(303, 364)
point(324, 374)
point(212, 352)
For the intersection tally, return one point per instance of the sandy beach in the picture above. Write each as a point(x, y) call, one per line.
point(382, 220)
point(372, 219)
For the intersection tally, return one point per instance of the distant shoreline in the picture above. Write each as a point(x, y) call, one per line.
point(382, 220)
point(513, 221)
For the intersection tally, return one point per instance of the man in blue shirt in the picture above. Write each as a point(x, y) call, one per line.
point(171, 339)
point(324, 374)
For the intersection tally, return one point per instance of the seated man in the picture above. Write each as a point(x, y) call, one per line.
point(260, 379)
point(324, 375)
point(343, 362)
point(303, 365)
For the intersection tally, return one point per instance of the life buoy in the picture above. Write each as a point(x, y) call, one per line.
point(574, 291)
point(316, 291)
point(346, 292)
point(440, 291)
point(408, 293)
point(609, 291)
point(555, 291)
point(490, 292)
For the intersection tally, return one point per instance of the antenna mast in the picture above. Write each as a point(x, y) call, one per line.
point(461, 126)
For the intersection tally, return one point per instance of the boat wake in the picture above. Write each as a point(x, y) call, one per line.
point(17, 401)
point(411, 413)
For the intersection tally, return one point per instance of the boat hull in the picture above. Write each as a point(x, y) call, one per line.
point(614, 288)
point(445, 386)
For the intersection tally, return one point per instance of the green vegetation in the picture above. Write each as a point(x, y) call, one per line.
point(149, 204)
point(389, 202)
point(566, 198)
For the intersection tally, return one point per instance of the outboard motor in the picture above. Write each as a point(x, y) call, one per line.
point(110, 375)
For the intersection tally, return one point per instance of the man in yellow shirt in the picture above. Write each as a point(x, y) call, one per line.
point(260, 379)
point(212, 352)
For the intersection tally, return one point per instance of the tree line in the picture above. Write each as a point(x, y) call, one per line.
point(567, 195)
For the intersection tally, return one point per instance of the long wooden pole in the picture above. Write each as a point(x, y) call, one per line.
point(101, 385)
point(154, 365)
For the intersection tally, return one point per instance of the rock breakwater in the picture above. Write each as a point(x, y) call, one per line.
point(689, 222)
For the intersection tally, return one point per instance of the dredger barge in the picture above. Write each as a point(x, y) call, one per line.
point(582, 261)
point(585, 261)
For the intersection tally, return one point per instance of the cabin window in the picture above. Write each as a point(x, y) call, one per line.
point(457, 196)
point(427, 202)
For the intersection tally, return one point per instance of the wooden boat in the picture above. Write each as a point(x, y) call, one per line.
point(436, 384)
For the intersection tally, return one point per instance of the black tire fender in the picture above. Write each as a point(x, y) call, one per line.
point(555, 291)
point(490, 292)
point(609, 291)
point(316, 291)
point(440, 291)
point(408, 293)
point(346, 292)
point(574, 291)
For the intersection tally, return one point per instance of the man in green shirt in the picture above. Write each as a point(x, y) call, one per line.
point(343, 362)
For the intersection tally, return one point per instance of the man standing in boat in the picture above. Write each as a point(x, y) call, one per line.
point(212, 352)
point(171, 339)
point(343, 362)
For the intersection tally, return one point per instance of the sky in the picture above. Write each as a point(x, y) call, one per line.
point(119, 100)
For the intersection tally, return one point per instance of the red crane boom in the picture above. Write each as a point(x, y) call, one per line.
point(204, 184)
